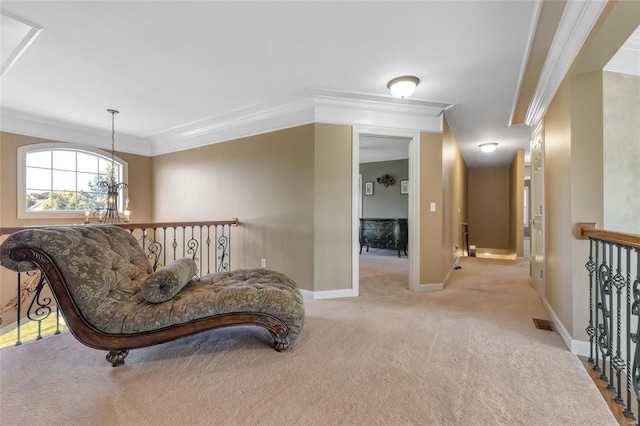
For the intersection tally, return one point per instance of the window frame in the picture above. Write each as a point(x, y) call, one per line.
point(21, 180)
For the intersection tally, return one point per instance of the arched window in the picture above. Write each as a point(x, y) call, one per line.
point(61, 180)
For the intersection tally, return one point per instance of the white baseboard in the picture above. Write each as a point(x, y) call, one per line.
point(578, 347)
point(427, 288)
point(328, 294)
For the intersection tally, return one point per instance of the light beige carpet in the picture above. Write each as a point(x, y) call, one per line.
point(468, 355)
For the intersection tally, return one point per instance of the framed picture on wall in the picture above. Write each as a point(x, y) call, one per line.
point(368, 188)
point(404, 186)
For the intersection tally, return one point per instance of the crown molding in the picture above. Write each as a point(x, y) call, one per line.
point(627, 59)
point(61, 131)
point(299, 108)
point(18, 41)
point(575, 25)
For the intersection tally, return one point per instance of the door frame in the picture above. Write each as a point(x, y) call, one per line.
point(414, 202)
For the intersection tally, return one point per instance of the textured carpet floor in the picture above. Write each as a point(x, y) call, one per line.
point(468, 355)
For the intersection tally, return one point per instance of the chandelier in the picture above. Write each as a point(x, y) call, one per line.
point(110, 213)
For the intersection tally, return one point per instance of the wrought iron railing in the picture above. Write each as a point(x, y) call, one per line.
point(208, 243)
point(614, 311)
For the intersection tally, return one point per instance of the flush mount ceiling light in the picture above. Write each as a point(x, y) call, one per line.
point(403, 87)
point(488, 147)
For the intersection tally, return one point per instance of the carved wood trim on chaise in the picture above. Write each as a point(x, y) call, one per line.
point(275, 299)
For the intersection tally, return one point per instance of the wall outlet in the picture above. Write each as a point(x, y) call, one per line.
point(263, 263)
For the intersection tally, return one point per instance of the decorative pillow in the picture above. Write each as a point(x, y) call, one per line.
point(166, 282)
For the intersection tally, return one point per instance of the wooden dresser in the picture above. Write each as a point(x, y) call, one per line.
point(384, 234)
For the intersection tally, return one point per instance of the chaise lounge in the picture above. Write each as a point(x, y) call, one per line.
point(112, 300)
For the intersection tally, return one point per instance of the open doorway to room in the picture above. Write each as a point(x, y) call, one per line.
point(527, 211)
point(383, 212)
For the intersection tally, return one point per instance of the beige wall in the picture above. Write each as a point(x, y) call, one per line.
point(586, 183)
point(266, 181)
point(621, 150)
point(557, 205)
point(573, 193)
point(139, 183)
point(489, 208)
point(516, 204)
point(332, 231)
point(454, 183)
point(431, 223)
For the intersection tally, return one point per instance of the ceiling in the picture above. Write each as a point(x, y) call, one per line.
point(166, 65)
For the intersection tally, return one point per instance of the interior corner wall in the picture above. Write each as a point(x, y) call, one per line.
point(516, 204)
point(557, 205)
point(573, 193)
point(332, 220)
point(454, 182)
point(431, 222)
point(621, 149)
point(488, 203)
point(266, 181)
point(586, 184)
point(139, 183)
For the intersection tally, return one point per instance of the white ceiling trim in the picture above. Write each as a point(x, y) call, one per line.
point(22, 43)
point(627, 59)
point(304, 107)
point(308, 106)
point(55, 130)
point(575, 25)
point(525, 57)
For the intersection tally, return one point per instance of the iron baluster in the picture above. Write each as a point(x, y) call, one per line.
point(201, 256)
point(175, 242)
point(605, 290)
point(153, 249)
point(208, 249)
point(609, 308)
point(164, 244)
point(635, 337)
point(19, 312)
point(184, 242)
point(192, 246)
point(596, 367)
point(223, 242)
point(43, 308)
point(591, 267)
point(617, 361)
point(57, 321)
point(628, 412)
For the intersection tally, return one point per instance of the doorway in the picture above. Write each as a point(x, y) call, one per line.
point(396, 200)
point(537, 210)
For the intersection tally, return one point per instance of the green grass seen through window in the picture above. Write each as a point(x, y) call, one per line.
point(29, 331)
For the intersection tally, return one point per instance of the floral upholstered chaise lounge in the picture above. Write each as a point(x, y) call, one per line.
point(112, 300)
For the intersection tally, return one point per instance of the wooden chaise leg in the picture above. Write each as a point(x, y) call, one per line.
point(280, 346)
point(116, 358)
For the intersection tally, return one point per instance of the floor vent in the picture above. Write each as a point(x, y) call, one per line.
point(543, 324)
